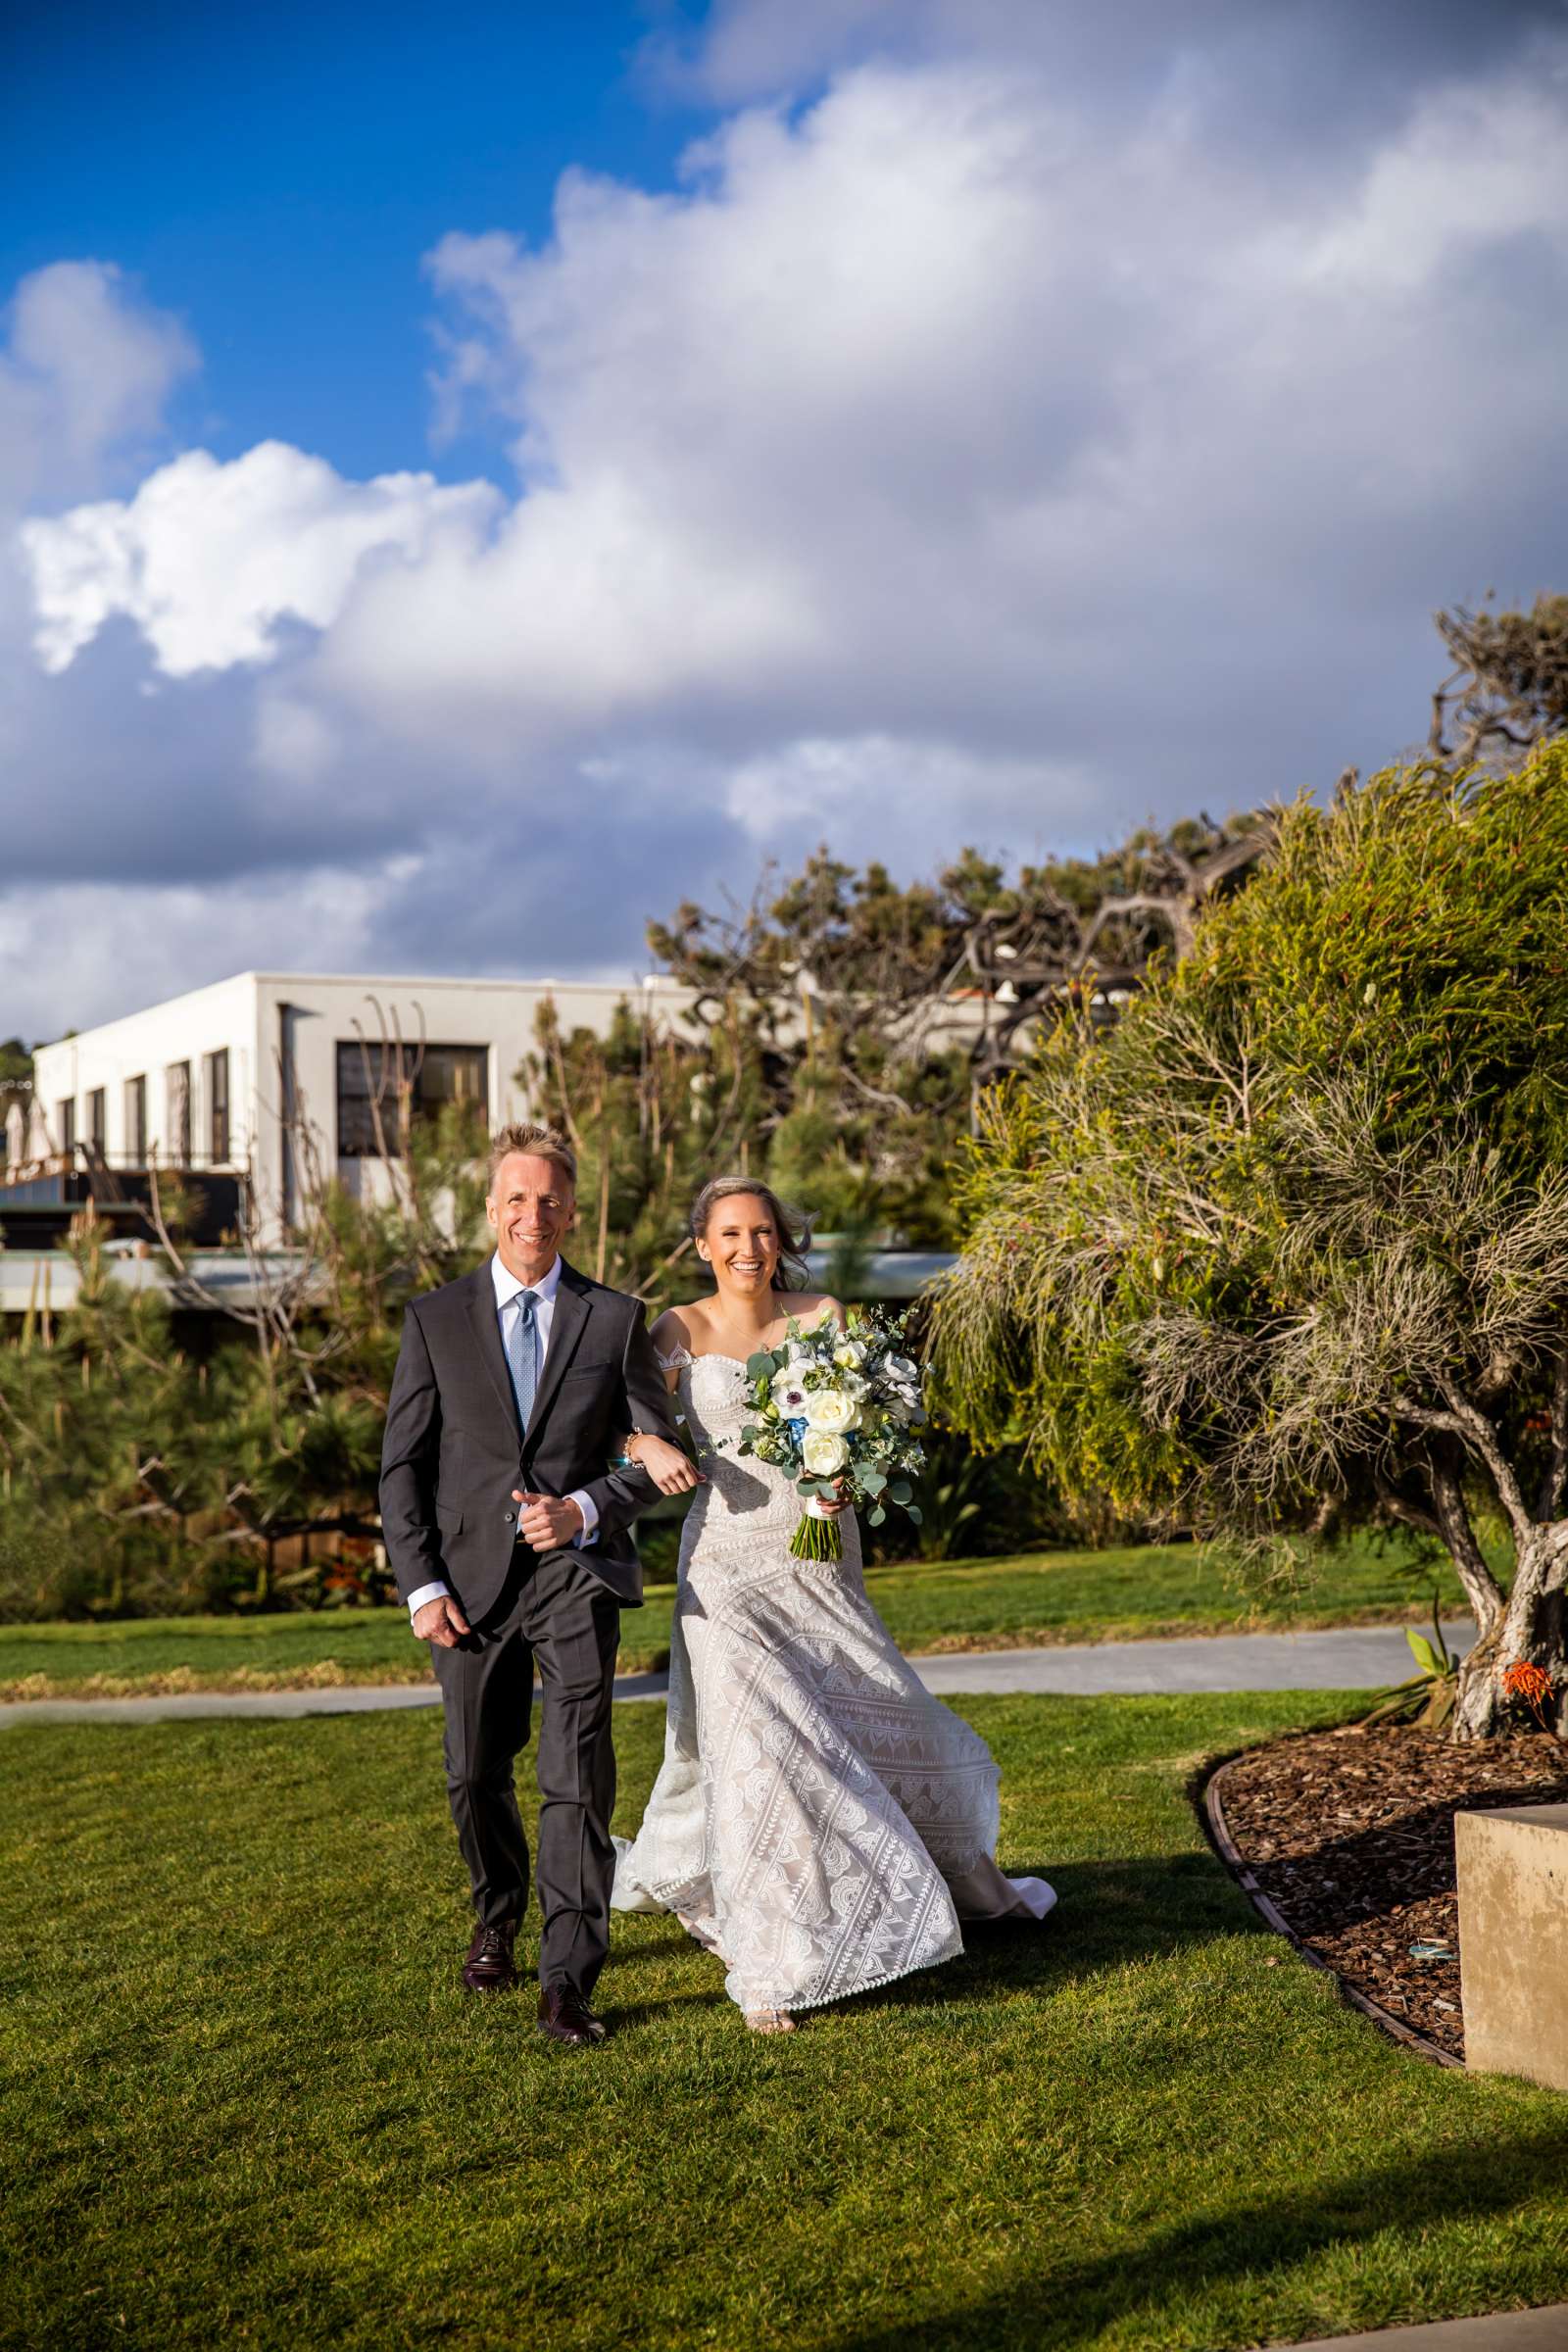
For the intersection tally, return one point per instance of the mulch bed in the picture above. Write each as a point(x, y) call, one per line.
point(1349, 1834)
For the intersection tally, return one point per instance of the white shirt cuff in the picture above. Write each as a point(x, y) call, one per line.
point(417, 1600)
point(590, 1518)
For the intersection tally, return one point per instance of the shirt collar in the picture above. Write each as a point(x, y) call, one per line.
point(506, 1286)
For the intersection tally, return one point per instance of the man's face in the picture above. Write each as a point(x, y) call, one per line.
point(530, 1207)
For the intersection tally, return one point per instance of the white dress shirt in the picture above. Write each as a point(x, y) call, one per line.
point(506, 1288)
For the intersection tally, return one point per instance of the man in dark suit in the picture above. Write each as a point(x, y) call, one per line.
point(509, 1534)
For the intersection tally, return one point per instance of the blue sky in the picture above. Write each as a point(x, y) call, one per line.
point(473, 478)
point(275, 176)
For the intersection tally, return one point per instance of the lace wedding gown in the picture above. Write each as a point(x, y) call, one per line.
point(819, 1820)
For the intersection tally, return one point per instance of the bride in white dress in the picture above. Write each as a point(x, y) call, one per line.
point(821, 1821)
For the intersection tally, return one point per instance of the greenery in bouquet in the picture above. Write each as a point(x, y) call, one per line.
point(840, 1412)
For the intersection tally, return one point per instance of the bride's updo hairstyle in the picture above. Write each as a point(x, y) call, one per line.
point(794, 1233)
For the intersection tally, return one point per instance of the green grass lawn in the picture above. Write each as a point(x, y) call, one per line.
point(244, 2100)
point(973, 1604)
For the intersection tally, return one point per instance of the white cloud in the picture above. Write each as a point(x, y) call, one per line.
point(902, 418)
point(746, 49)
point(87, 368)
point(209, 560)
point(846, 790)
point(930, 413)
point(1474, 167)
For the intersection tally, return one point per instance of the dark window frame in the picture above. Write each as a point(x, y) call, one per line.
point(178, 1108)
point(220, 1123)
point(367, 1075)
point(135, 1113)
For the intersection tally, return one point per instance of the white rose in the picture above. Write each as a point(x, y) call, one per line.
point(850, 1353)
point(823, 1454)
point(831, 1409)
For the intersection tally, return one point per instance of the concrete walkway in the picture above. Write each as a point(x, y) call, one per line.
point(1344, 1658)
point(1541, 2330)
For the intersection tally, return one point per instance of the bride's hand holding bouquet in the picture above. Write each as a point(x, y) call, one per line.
point(839, 1412)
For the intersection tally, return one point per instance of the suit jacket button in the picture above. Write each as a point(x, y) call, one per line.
point(507, 1516)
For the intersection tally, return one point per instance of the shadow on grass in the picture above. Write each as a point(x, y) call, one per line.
point(1073, 2302)
point(1107, 1915)
point(655, 1946)
point(619, 2014)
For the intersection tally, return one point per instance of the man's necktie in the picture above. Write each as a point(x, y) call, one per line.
point(522, 1353)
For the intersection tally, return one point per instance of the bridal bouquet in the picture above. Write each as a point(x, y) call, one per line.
point(837, 1412)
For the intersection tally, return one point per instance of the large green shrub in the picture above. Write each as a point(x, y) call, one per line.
point(1288, 1250)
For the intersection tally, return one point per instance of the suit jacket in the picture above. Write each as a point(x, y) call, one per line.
point(454, 1450)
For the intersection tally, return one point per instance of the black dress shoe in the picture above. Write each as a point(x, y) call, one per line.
point(490, 1967)
point(565, 2016)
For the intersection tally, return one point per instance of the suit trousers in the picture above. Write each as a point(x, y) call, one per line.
point(554, 1613)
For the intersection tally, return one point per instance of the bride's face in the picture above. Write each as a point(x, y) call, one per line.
point(741, 1245)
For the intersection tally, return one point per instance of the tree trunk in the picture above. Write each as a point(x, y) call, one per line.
point(1531, 1632)
point(1481, 1588)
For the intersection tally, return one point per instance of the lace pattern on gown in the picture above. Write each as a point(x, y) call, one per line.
point(815, 1799)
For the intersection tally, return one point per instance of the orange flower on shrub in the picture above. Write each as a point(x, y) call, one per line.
point(1532, 1687)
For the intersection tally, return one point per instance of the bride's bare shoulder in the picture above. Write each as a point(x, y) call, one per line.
point(679, 1327)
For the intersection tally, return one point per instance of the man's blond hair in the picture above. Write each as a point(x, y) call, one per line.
point(539, 1142)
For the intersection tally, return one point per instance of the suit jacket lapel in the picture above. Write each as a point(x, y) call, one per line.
point(567, 1323)
point(487, 1331)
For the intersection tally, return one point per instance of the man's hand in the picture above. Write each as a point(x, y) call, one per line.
point(440, 1621)
point(547, 1521)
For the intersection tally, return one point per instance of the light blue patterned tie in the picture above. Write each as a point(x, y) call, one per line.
point(522, 1353)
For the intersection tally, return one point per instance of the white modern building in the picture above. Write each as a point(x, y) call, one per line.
point(270, 1070)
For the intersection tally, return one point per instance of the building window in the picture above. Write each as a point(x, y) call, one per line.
point(218, 1107)
point(97, 1122)
point(66, 1123)
point(136, 1121)
point(176, 1112)
point(378, 1083)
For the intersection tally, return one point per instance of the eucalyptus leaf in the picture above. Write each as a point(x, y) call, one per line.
point(901, 1492)
point(875, 1517)
point(873, 1481)
point(914, 1514)
point(762, 1365)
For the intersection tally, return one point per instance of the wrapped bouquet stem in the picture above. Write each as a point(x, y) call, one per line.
point(817, 1538)
point(840, 1412)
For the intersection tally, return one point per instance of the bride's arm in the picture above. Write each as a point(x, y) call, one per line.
point(671, 1470)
